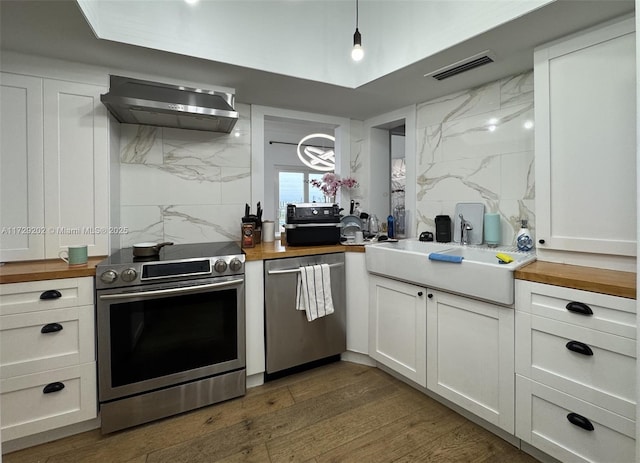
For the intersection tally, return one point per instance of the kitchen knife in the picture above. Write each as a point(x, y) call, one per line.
point(351, 208)
point(247, 210)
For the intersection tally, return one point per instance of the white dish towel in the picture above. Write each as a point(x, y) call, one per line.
point(313, 291)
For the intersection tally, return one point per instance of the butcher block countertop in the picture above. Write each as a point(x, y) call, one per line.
point(53, 269)
point(612, 282)
point(276, 250)
point(36, 270)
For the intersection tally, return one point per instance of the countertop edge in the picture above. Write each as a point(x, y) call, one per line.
point(275, 250)
point(610, 282)
point(41, 270)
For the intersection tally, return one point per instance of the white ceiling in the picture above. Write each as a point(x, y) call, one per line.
point(58, 29)
point(308, 39)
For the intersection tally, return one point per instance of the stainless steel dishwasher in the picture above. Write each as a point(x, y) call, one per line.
point(290, 339)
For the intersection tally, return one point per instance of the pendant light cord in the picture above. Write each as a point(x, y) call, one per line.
point(356, 14)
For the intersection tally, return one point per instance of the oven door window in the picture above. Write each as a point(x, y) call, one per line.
point(159, 337)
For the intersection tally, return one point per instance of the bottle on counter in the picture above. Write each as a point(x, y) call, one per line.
point(399, 220)
point(390, 227)
point(524, 241)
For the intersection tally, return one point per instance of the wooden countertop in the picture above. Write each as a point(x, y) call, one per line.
point(276, 250)
point(612, 282)
point(35, 270)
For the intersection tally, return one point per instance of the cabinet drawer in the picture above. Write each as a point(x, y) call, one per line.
point(26, 297)
point(27, 410)
point(611, 314)
point(606, 378)
point(25, 349)
point(542, 421)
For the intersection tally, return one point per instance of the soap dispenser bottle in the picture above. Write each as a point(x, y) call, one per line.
point(524, 241)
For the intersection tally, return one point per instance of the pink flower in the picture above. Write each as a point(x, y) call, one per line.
point(331, 183)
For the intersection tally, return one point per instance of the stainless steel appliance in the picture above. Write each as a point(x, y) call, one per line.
point(312, 224)
point(290, 339)
point(136, 101)
point(171, 331)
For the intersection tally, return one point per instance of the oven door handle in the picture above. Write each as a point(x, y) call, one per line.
point(170, 291)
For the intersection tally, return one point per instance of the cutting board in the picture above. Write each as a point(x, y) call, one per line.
point(473, 213)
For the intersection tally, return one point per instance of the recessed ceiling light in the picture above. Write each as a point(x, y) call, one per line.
point(191, 2)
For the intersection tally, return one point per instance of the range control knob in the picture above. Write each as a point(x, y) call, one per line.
point(129, 275)
point(235, 265)
point(220, 266)
point(109, 276)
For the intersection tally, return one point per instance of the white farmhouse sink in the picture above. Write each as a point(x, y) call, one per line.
point(479, 274)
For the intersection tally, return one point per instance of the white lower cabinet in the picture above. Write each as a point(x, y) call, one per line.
point(47, 355)
point(48, 400)
point(470, 356)
point(398, 327)
point(357, 303)
point(571, 429)
point(254, 310)
point(576, 373)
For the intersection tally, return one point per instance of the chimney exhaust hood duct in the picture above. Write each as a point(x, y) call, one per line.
point(134, 101)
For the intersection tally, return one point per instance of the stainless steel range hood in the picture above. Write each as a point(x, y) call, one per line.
point(134, 101)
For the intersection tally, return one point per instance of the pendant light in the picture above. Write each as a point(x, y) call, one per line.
point(357, 52)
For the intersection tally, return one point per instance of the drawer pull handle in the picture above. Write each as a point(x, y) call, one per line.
point(51, 328)
point(579, 347)
point(51, 294)
point(53, 387)
point(580, 421)
point(579, 307)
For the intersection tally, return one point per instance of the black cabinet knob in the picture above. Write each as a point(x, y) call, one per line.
point(541, 241)
point(53, 387)
point(51, 328)
point(430, 295)
point(419, 293)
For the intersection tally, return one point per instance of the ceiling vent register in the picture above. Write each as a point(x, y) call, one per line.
point(464, 65)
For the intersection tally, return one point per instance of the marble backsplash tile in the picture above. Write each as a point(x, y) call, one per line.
point(477, 146)
point(184, 186)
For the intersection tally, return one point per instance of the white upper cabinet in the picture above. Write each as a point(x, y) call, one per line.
point(54, 167)
point(76, 167)
point(585, 143)
point(21, 173)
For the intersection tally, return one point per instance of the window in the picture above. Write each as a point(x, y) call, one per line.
point(294, 187)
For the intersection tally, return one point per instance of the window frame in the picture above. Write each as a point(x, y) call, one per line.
point(291, 169)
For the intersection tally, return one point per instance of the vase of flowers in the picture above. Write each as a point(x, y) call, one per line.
point(331, 183)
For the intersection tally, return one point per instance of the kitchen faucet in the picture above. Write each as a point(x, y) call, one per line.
point(465, 226)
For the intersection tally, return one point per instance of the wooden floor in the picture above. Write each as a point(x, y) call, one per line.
point(341, 412)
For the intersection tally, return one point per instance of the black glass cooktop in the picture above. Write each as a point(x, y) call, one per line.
point(176, 252)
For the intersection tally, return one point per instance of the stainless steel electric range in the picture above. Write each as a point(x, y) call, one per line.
point(171, 331)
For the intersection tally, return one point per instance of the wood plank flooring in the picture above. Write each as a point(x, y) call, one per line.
point(342, 412)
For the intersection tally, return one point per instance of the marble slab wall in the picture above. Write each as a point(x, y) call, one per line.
point(184, 186)
point(477, 146)
point(358, 164)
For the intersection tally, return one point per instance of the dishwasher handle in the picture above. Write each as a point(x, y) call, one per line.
point(297, 270)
